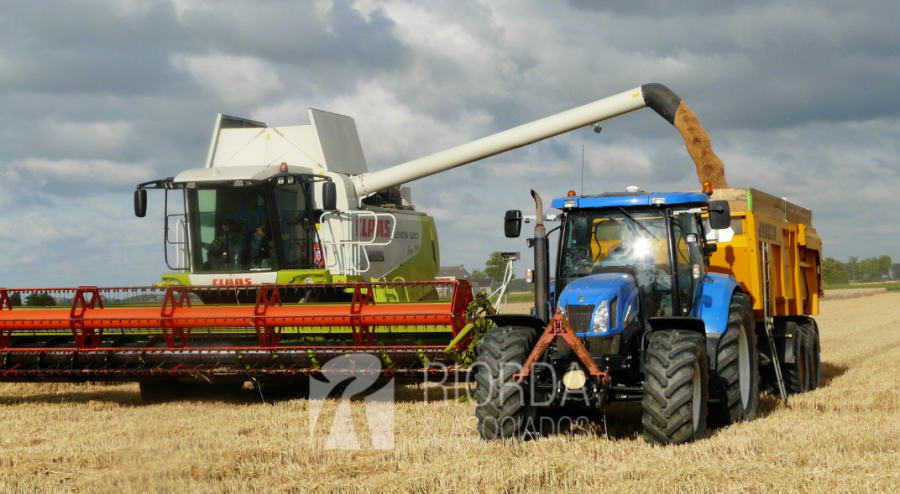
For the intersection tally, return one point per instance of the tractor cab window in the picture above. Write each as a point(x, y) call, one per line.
point(612, 238)
point(230, 230)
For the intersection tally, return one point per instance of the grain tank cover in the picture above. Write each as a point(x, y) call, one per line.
point(330, 143)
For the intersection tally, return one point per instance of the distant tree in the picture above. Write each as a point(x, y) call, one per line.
point(853, 268)
point(16, 299)
point(40, 300)
point(884, 267)
point(834, 272)
point(495, 267)
point(867, 269)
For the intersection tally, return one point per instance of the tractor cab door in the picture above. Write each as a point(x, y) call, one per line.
point(689, 258)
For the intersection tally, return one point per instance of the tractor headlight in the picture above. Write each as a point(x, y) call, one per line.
point(601, 318)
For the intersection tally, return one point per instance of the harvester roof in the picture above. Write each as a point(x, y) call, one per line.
point(230, 173)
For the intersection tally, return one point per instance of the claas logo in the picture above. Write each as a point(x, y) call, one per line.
point(230, 282)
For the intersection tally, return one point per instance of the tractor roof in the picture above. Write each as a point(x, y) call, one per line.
point(631, 199)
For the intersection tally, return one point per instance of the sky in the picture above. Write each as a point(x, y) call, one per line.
point(799, 98)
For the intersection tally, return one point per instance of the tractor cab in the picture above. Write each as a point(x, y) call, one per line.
point(648, 250)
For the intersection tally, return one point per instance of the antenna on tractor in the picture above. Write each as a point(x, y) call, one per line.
point(582, 169)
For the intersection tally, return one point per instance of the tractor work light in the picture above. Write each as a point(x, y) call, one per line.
point(192, 185)
point(238, 183)
point(280, 180)
point(568, 204)
point(657, 201)
point(601, 318)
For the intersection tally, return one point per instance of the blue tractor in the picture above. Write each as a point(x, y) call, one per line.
point(633, 315)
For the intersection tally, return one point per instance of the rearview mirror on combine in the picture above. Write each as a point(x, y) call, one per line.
point(329, 196)
point(140, 203)
point(512, 223)
point(719, 215)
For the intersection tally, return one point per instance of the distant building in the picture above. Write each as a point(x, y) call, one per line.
point(483, 285)
point(452, 273)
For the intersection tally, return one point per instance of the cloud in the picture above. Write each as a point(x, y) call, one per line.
point(235, 79)
point(71, 177)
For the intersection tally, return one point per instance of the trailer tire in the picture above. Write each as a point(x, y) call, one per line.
point(502, 406)
point(812, 356)
point(676, 387)
point(736, 385)
point(796, 374)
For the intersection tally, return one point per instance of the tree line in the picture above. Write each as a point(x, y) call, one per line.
point(881, 268)
point(33, 300)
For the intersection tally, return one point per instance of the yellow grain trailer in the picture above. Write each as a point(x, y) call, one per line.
point(775, 254)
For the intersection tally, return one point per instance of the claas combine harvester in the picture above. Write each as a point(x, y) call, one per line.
point(286, 252)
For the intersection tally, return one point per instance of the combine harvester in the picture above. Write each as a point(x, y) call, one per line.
point(289, 253)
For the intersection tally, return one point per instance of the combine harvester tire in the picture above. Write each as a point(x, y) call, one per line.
point(735, 391)
point(502, 404)
point(676, 388)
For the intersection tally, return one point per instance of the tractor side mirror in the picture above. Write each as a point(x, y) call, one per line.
point(719, 215)
point(329, 196)
point(512, 223)
point(140, 203)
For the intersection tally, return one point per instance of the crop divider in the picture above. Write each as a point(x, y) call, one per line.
point(80, 305)
point(171, 331)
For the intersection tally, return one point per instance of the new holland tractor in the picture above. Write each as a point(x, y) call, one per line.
point(643, 310)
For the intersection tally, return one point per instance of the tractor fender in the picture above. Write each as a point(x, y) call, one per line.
point(502, 320)
point(715, 301)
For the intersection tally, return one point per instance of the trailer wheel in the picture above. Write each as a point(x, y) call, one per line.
point(797, 374)
point(736, 385)
point(812, 356)
point(502, 405)
point(676, 387)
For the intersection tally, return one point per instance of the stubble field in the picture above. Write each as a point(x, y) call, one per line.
point(843, 437)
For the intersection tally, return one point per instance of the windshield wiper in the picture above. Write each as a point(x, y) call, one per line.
point(636, 222)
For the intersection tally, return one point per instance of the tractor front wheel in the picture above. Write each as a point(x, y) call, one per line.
point(502, 404)
point(676, 387)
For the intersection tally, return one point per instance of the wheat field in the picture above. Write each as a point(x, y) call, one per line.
point(843, 437)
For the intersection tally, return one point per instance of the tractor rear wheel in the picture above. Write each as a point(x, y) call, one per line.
point(676, 387)
point(502, 405)
point(736, 385)
point(797, 373)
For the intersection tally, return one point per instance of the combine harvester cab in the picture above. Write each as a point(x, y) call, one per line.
point(667, 299)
